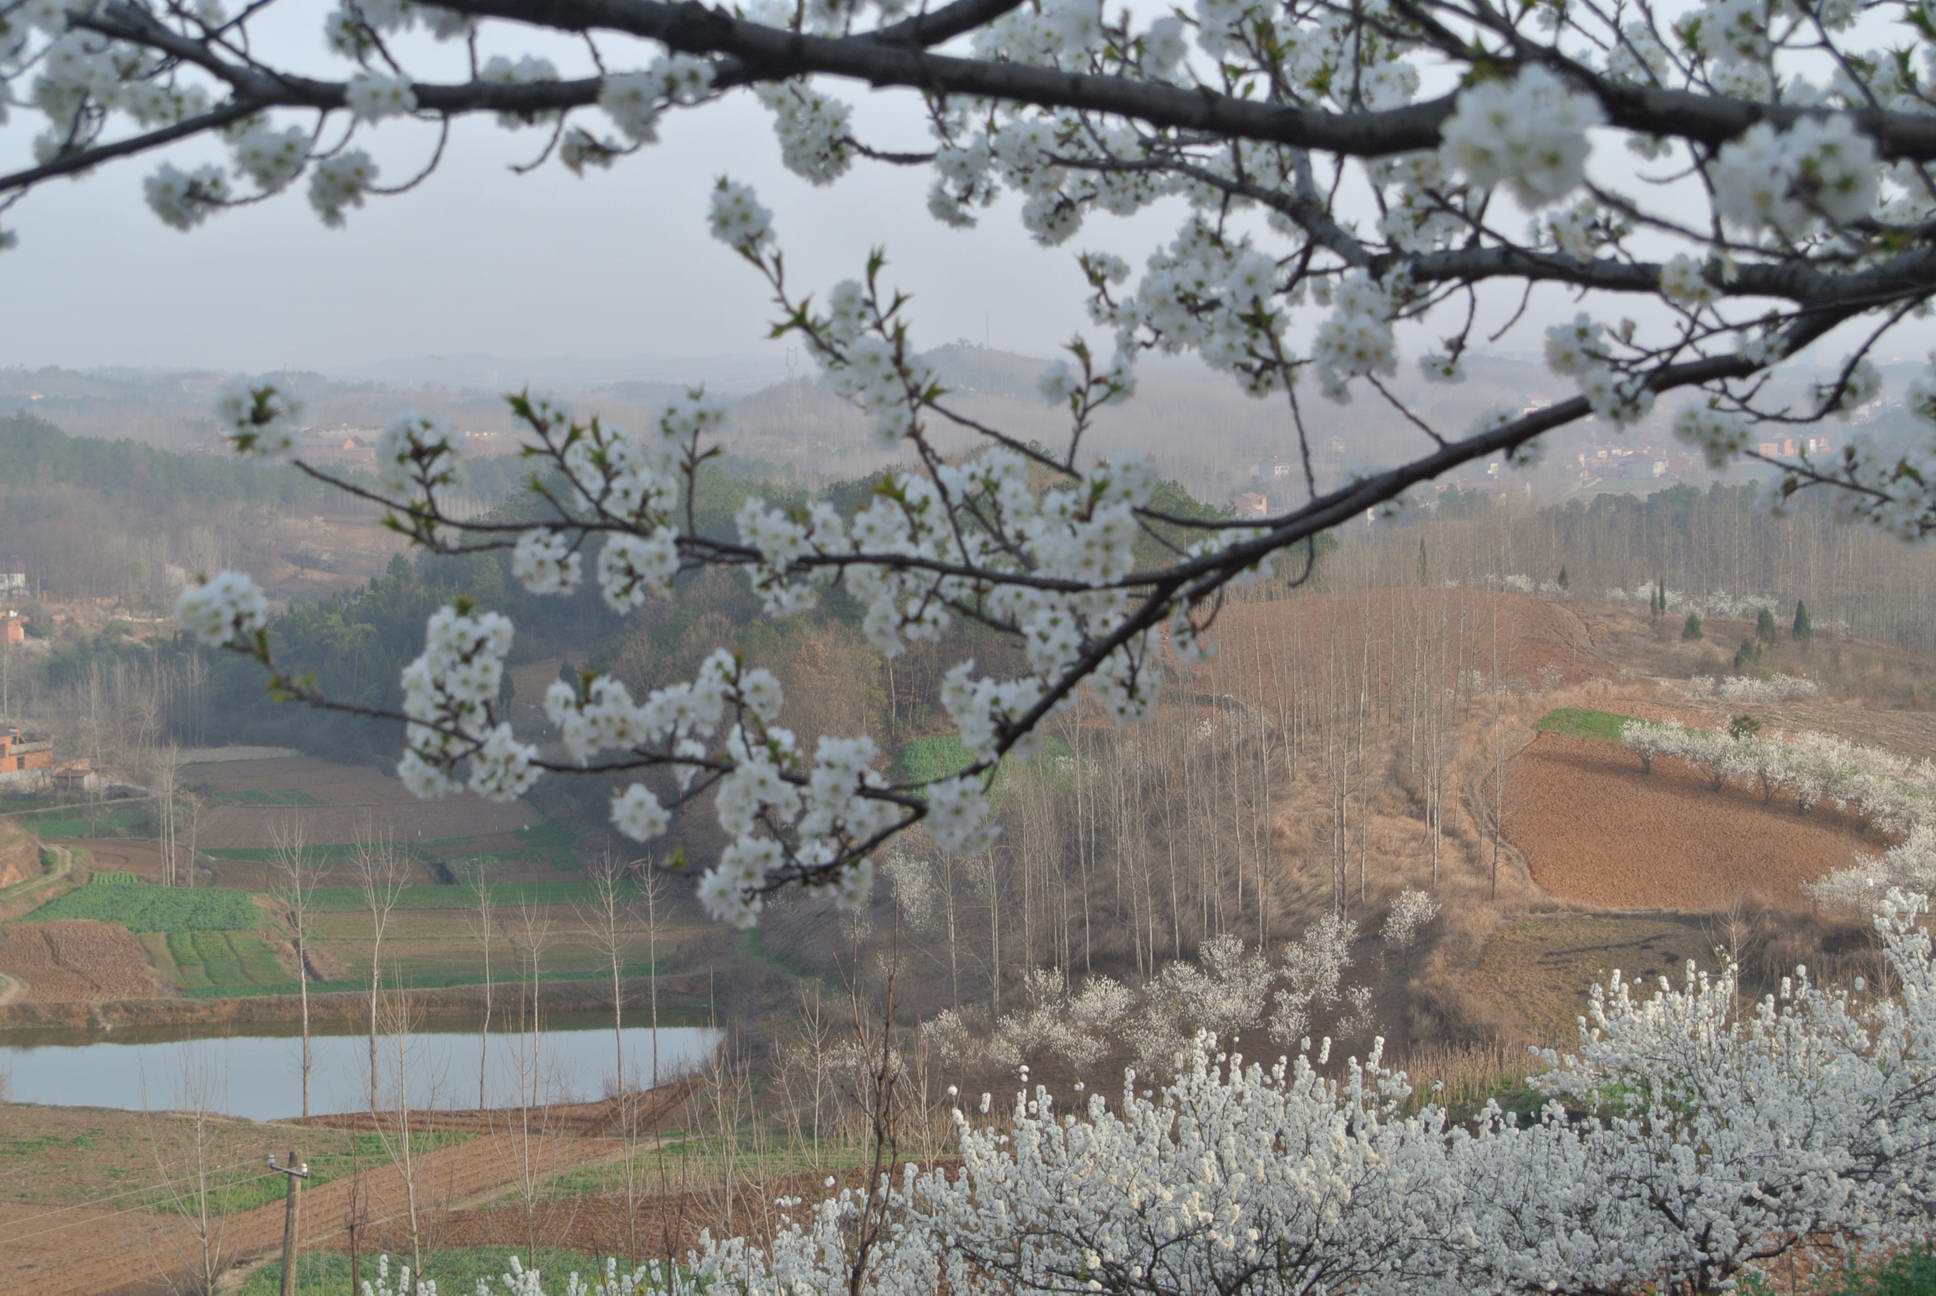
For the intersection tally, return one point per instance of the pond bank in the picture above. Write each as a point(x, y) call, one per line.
point(682, 1000)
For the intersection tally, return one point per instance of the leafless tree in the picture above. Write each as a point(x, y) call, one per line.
point(530, 934)
point(608, 918)
point(185, 1143)
point(651, 889)
point(380, 875)
point(164, 771)
point(483, 925)
point(293, 886)
point(395, 1121)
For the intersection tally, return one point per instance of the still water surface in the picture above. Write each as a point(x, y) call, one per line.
point(258, 1075)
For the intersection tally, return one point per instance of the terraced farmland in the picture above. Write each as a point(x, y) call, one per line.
point(208, 964)
point(145, 907)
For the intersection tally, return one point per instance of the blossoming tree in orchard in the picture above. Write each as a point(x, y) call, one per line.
point(1727, 188)
point(1706, 1135)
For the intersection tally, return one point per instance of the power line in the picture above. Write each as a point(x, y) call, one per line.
point(127, 1192)
point(96, 1219)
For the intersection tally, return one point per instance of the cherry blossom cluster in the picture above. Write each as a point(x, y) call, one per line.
point(1410, 913)
point(1583, 349)
point(1748, 688)
point(777, 805)
point(1229, 989)
point(226, 609)
point(450, 695)
point(1528, 134)
point(1075, 1025)
point(1822, 170)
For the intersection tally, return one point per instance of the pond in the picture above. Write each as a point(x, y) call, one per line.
point(257, 1075)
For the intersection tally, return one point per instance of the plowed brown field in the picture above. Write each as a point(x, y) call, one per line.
point(75, 961)
point(124, 855)
point(1596, 831)
point(139, 1253)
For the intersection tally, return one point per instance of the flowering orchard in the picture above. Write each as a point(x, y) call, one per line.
point(1401, 176)
point(1702, 1135)
point(1229, 991)
point(1750, 689)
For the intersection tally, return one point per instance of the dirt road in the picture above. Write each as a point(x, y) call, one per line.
point(133, 1252)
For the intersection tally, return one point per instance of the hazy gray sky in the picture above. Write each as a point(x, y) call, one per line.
point(481, 260)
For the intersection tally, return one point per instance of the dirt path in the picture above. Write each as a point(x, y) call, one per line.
point(134, 1252)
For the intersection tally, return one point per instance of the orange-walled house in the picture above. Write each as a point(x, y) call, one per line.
point(19, 753)
point(13, 629)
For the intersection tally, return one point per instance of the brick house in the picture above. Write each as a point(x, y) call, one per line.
point(19, 753)
point(13, 628)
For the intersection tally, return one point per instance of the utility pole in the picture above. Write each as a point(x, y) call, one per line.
point(297, 1171)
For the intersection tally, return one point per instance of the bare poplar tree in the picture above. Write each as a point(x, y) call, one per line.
point(531, 933)
point(652, 886)
point(608, 918)
point(164, 770)
point(293, 886)
point(380, 874)
point(188, 1161)
point(395, 1123)
point(483, 925)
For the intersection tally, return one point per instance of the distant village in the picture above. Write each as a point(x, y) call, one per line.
point(28, 760)
point(1601, 464)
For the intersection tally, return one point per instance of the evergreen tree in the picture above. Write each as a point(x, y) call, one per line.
point(1562, 577)
point(1802, 630)
point(1765, 629)
point(1421, 561)
point(1745, 655)
point(1691, 628)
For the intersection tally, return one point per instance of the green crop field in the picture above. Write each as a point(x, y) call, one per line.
point(214, 963)
point(1573, 722)
point(109, 821)
point(145, 907)
point(942, 756)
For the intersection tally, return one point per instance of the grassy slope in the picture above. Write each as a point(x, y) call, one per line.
point(1574, 722)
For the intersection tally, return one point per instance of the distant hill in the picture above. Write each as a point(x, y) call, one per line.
point(965, 367)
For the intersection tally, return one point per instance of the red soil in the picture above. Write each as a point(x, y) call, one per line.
point(1597, 831)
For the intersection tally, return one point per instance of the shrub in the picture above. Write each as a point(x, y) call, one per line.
point(1691, 628)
